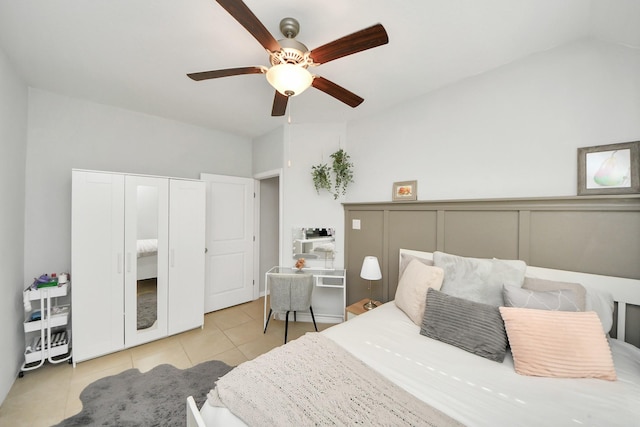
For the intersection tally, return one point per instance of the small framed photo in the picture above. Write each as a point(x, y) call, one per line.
point(405, 190)
point(609, 169)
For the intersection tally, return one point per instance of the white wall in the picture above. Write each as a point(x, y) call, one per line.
point(13, 143)
point(296, 148)
point(66, 133)
point(511, 132)
point(267, 151)
point(305, 146)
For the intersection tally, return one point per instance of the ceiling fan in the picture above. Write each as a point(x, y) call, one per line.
point(290, 59)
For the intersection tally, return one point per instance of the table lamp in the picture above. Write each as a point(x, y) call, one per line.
point(370, 271)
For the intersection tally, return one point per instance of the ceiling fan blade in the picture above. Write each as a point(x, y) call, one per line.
point(251, 23)
point(368, 38)
point(338, 92)
point(279, 104)
point(205, 75)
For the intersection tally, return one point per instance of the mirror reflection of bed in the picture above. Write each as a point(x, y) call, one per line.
point(147, 257)
point(314, 243)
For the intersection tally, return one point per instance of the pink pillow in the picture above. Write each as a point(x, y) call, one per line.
point(558, 343)
point(411, 295)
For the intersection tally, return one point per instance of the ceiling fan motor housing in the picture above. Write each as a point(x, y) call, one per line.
point(292, 52)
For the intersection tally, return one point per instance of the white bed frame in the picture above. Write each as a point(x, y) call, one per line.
point(624, 291)
point(147, 267)
point(194, 419)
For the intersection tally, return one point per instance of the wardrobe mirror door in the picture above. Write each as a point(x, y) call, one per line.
point(147, 256)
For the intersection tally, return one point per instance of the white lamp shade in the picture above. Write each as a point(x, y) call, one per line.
point(289, 79)
point(370, 269)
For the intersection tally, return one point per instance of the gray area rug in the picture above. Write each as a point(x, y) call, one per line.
point(155, 398)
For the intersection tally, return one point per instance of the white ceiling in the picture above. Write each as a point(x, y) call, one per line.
point(135, 54)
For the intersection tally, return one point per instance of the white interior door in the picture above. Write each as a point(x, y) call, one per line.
point(229, 277)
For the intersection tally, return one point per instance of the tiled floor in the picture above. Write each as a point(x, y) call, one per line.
point(48, 395)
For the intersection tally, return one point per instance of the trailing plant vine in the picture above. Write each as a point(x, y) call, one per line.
point(341, 167)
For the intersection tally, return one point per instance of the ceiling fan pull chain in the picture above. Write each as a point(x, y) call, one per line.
point(288, 134)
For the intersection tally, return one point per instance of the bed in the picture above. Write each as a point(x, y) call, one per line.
point(394, 355)
point(147, 258)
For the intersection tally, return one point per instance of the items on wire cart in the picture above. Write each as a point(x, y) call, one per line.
point(47, 338)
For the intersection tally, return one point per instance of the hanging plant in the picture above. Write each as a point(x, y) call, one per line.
point(321, 177)
point(341, 167)
point(343, 170)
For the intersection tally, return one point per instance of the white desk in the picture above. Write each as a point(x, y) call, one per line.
point(329, 296)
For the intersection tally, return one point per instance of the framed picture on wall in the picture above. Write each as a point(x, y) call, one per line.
point(405, 190)
point(609, 169)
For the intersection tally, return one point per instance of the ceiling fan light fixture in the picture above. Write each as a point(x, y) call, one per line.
point(289, 79)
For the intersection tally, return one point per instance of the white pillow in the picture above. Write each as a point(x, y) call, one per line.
point(602, 303)
point(411, 295)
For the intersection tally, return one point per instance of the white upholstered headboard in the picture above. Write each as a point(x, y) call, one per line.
point(624, 291)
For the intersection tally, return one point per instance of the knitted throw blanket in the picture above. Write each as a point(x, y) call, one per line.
point(312, 381)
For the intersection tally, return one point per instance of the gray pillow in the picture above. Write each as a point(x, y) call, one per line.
point(558, 300)
point(472, 326)
point(477, 279)
point(545, 285)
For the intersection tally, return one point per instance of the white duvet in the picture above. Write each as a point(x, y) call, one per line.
point(477, 391)
point(147, 247)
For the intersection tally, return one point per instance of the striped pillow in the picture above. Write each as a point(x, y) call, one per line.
point(469, 325)
point(576, 349)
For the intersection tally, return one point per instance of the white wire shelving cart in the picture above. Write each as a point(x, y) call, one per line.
point(47, 338)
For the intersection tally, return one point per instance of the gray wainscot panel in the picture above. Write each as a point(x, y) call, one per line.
point(592, 234)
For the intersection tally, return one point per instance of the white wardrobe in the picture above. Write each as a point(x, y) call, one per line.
point(137, 259)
